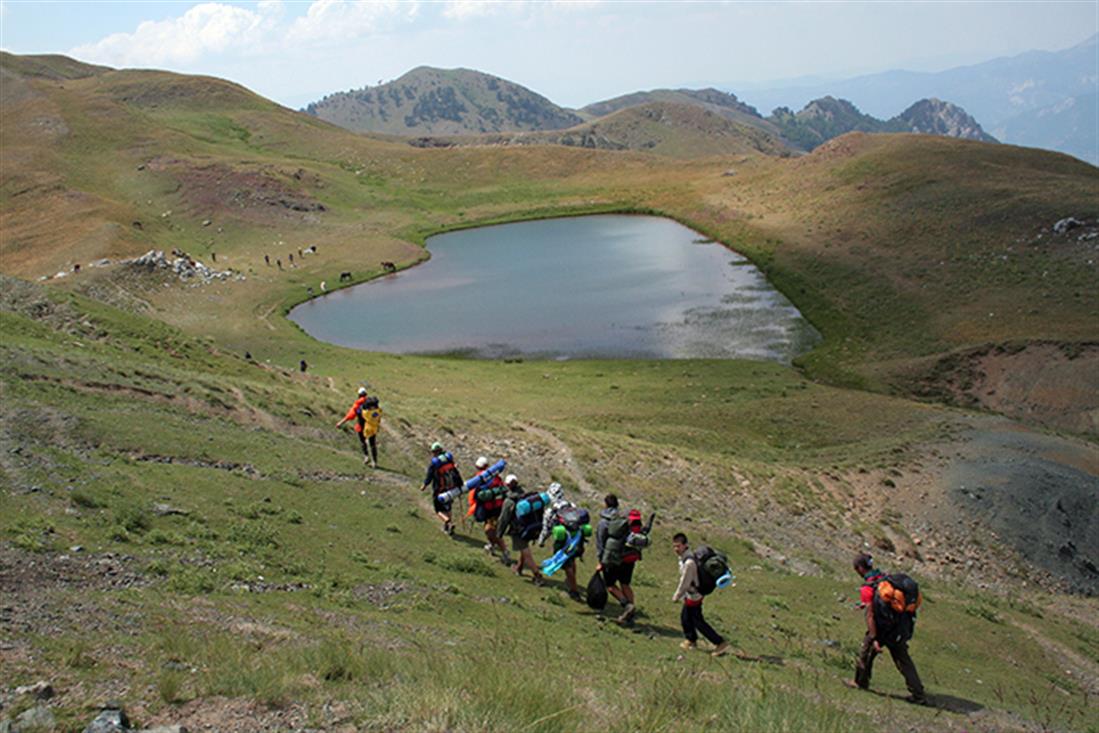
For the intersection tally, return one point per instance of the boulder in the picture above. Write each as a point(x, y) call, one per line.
point(1067, 224)
point(38, 718)
point(111, 720)
point(41, 690)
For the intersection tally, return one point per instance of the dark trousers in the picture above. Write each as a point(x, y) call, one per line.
point(693, 623)
point(899, 651)
point(372, 443)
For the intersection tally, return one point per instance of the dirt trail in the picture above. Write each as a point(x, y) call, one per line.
point(263, 317)
point(568, 459)
point(1083, 669)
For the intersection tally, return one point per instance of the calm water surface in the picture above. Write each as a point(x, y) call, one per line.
point(593, 286)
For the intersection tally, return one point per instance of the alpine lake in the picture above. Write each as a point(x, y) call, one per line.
point(603, 286)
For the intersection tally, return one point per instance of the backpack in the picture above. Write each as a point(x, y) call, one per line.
point(446, 473)
point(532, 503)
point(896, 599)
point(489, 500)
point(618, 529)
point(572, 517)
point(528, 525)
point(712, 565)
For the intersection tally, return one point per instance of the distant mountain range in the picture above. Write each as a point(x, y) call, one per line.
point(826, 118)
point(1038, 98)
point(448, 107)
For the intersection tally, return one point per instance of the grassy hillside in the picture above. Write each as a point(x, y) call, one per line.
point(712, 100)
point(663, 128)
point(295, 590)
point(280, 585)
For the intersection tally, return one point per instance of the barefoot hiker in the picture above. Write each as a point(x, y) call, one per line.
point(691, 590)
point(442, 476)
point(891, 602)
point(355, 413)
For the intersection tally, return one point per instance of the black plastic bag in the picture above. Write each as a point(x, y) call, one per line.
point(597, 592)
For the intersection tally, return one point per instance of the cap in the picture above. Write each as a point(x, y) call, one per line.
point(436, 446)
point(511, 479)
point(362, 391)
point(635, 516)
point(481, 462)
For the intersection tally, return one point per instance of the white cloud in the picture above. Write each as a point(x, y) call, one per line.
point(463, 9)
point(204, 29)
point(342, 20)
point(467, 9)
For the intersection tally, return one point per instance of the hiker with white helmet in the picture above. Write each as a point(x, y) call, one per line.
point(566, 523)
point(521, 526)
point(485, 503)
point(355, 413)
point(442, 476)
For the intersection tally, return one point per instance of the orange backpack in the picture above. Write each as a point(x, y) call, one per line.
point(900, 593)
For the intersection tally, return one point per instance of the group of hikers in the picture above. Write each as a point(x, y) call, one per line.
point(505, 508)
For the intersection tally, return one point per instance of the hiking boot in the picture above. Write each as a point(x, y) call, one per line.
point(489, 548)
point(917, 699)
point(575, 595)
point(538, 580)
point(688, 646)
point(721, 649)
point(450, 530)
point(627, 614)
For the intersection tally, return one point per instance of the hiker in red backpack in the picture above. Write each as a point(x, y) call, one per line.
point(355, 413)
point(618, 543)
point(691, 593)
point(442, 476)
point(890, 621)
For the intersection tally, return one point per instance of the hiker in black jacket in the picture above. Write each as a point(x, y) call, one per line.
point(884, 632)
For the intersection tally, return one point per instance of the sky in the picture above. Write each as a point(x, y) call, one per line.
point(573, 52)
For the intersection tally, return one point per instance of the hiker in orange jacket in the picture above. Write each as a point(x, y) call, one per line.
point(355, 413)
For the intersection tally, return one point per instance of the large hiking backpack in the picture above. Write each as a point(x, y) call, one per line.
point(572, 517)
point(896, 599)
point(528, 525)
point(446, 473)
point(532, 503)
point(489, 500)
point(712, 565)
point(618, 529)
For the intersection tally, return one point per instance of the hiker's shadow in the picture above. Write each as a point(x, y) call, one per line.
point(470, 541)
point(953, 704)
point(949, 703)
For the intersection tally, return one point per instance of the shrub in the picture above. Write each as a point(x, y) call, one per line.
point(133, 519)
point(84, 499)
point(470, 565)
point(164, 537)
